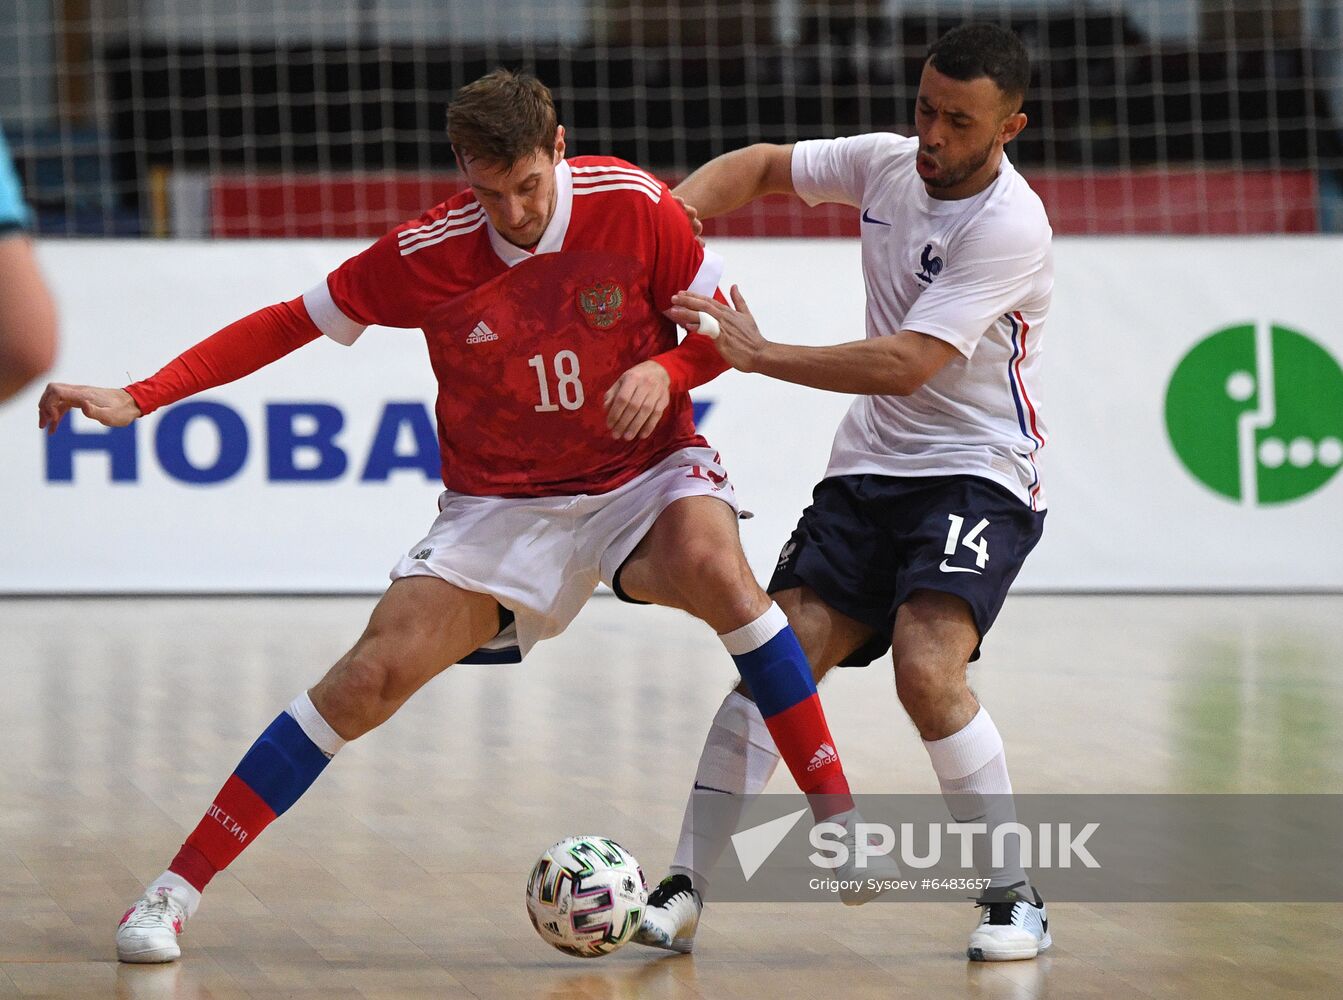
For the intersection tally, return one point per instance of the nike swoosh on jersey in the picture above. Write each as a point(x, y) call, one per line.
point(709, 788)
point(957, 569)
point(877, 222)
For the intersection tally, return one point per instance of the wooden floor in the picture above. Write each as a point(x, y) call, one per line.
point(401, 873)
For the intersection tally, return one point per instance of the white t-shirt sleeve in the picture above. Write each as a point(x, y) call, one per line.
point(993, 272)
point(836, 170)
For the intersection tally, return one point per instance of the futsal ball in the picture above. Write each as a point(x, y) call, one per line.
point(586, 896)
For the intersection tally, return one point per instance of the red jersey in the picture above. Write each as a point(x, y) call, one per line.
point(526, 344)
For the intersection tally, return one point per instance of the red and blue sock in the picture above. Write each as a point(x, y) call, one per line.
point(280, 766)
point(771, 662)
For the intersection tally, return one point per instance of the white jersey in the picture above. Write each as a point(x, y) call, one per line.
point(976, 273)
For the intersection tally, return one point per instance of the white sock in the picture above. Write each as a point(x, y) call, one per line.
point(755, 634)
point(971, 767)
point(316, 728)
point(183, 891)
point(738, 758)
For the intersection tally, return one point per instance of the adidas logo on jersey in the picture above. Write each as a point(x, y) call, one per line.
point(481, 334)
point(825, 754)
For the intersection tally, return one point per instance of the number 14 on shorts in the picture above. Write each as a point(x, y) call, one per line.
point(972, 541)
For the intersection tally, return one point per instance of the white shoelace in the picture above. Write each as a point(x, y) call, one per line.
point(155, 912)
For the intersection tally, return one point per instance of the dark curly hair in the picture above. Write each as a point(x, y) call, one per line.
point(977, 49)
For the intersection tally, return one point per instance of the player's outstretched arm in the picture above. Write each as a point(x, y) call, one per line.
point(110, 407)
point(894, 366)
point(733, 179)
point(237, 350)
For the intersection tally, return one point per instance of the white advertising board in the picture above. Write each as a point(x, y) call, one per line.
point(1195, 416)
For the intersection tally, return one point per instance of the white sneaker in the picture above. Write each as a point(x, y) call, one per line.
point(1011, 927)
point(672, 915)
point(148, 932)
point(879, 868)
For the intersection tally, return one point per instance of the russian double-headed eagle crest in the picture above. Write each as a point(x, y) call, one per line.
point(601, 304)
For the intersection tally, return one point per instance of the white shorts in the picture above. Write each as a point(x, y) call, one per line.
point(542, 557)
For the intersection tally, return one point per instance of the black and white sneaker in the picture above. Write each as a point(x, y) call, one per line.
point(672, 915)
point(1011, 927)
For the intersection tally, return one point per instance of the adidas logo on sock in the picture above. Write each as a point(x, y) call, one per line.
point(825, 754)
point(481, 334)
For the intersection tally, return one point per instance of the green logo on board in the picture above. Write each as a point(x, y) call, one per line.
point(1255, 413)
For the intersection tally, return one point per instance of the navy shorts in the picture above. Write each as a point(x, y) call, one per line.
point(867, 542)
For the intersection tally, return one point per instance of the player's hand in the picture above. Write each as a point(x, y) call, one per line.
point(637, 400)
point(110, 407)
point(738, 339)
point(696, 226)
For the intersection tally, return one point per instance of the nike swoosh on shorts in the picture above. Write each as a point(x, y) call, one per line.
point(957, 569)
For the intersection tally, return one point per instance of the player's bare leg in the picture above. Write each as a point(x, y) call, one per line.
point(420, 626)
point(827, 636)
point(692, 559)
point(931, 645)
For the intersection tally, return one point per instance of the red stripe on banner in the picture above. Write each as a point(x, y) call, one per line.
point(232, 822)
point(1186, 201)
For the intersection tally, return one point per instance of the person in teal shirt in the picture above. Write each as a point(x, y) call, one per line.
point(13, 212)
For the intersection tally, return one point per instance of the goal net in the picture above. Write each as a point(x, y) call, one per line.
point(228, 118)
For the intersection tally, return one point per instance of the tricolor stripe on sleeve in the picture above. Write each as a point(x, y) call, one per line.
point(1026, 418)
